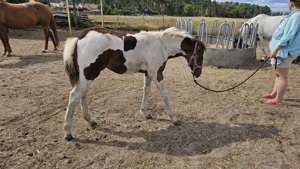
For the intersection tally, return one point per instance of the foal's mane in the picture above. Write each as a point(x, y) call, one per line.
point(177, 33)
point(172, 31)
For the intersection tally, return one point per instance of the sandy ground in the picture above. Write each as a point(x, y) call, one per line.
point(227, 130)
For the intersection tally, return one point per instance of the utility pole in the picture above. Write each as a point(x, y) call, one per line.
point(101, 9)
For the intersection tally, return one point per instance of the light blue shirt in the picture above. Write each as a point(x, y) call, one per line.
point(287, 35)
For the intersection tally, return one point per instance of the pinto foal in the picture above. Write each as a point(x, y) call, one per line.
point(146, 52)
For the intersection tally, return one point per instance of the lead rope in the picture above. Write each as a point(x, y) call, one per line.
point(236, 85)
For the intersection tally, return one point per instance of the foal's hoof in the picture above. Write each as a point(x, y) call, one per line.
point(93, 124)
point(149, 116)
point(177, 123)
point(69, 137)
point(44, 51)
point(6, 54)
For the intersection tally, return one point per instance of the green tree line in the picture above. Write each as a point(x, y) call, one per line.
point(207, 8)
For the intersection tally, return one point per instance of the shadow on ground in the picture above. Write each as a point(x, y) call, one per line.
point(189, 139)
point(25, 61)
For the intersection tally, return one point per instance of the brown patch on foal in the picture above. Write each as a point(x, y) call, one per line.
point(160, 72)
point(112, 59)
point(129, 43)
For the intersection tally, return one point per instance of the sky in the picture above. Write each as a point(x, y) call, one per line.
point(274, 5)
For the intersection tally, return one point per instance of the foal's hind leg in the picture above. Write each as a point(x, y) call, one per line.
point(75, 95)
point(85, 110)
point(147, 86)
point(78, 93)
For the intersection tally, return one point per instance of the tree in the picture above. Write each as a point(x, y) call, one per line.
point(188, 10)
point(182, 7)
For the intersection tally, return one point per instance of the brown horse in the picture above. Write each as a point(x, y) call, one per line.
point(24, 16)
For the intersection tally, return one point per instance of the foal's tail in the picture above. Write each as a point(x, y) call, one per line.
point(53, 27)
point(70, 60)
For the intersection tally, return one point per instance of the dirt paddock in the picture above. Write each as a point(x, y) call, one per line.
point(226, 130)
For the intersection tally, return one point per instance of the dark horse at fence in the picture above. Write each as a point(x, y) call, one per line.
point(146, 52)
point(24, 16)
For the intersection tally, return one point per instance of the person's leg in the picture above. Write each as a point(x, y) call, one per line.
point(281, 83)
point(274, 92)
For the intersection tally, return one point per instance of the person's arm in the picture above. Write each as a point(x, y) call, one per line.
point(273, 53)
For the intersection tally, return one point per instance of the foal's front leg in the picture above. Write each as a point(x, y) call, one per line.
point(147, 87)
point(164, 93)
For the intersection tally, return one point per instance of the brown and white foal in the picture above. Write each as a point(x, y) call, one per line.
point(146, 52)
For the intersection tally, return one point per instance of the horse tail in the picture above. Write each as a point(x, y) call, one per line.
point(70, 60)
point(53, 27)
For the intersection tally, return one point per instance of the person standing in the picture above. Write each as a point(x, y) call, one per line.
point(284, 48)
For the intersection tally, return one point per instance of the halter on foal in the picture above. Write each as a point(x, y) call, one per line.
point(147, 52)
point(24, 16)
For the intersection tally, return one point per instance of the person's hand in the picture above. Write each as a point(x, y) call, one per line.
point(272, 54)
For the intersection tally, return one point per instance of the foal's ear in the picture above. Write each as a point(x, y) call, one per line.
point(201, 46)
point(197, 38)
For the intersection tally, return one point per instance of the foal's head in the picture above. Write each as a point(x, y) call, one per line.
point(194, 49)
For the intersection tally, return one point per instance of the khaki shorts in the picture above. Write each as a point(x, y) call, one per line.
point(285, 63)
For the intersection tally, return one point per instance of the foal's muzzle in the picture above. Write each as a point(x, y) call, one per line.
point(197, 73)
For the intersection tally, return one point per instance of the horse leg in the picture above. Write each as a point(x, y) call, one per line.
point(46, 33)
point(262, 47)
point(164, 93)
point(78, 93)
point(5, 41)
point(4, 46)
point(147, 86)
point(53, 40)
point(85, 110)
point(75, 95)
